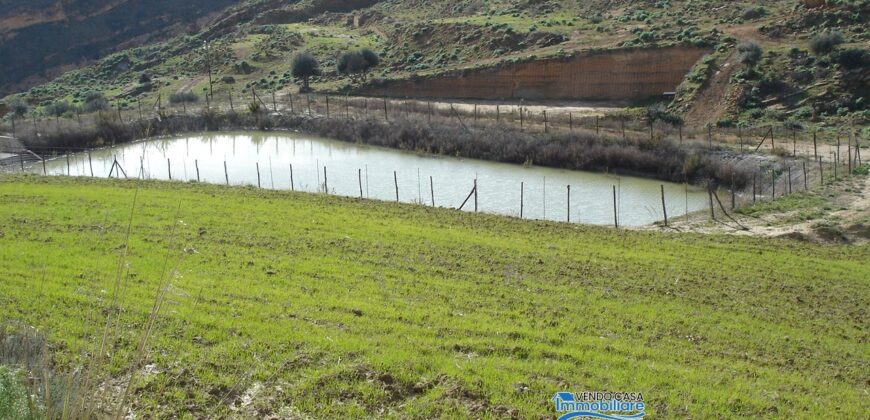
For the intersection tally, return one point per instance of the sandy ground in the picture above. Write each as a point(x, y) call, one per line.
point(847, 221)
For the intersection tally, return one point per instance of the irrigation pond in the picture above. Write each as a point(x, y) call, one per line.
point(308, 163)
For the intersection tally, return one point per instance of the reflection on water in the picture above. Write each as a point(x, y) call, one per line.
point(303, 162)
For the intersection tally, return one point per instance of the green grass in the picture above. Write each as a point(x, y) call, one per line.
point(14, 403)
point(344, 308)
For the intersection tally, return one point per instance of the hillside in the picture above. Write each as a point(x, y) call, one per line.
point(306, 305)
point(253, 42)
point(41, 39)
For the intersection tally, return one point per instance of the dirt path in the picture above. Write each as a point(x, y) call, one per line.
point(837, 214)
point(708, 104)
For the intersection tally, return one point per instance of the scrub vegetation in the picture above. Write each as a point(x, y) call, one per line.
point(280, 303)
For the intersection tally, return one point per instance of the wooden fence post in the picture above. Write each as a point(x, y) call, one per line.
point(475, 195)
point(432, 190)
point(569, 204)
point(226, 174)
point(615, 215)
point(545, 121)
point(359, 175)
point(815, 146)
point(789, 179)
point(258, 175)
point(327, 106)
point(169, 168)
point(196, 163)
point(664, 207)
point(386, 115)
point(710, 194)
point(68, 170)
point(325, 181)
point(849, 154)
point(396, 182)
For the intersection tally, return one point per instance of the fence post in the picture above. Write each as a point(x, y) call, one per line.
point(545, 121)
point(849, 153)
point(522, 192)
point(327, 106)
point(789, 179)
point(710, 195)
point(90, 164)
point(196, 163)
point(664, 208)
point(226, 174)
point(396, 183)
point(169, 168)
point(325, 181)
point(569, 204)
point(431, 190)
point(386, 115)
point(521, 117)
point(68, 171)
point(292, 184)
point(815, 146)
point(615, 215)
point(258, 175)
point(475, 195)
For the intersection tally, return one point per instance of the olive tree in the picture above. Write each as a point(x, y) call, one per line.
point(304, 67)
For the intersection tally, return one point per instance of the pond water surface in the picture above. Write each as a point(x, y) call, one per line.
point(544, 191)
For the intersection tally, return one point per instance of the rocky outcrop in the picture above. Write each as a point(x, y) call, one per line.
point(608, 75)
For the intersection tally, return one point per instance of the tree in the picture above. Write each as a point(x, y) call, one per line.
point(18, 108)
point(749, 53)
point(57, 109)
point(372, 60)
point(359, 62)
point(826, 42)
point(305, 66)
point(95, 101)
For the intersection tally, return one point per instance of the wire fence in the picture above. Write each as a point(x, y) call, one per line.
point(808, 158)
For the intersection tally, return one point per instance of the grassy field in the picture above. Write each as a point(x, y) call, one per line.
point(311, 305)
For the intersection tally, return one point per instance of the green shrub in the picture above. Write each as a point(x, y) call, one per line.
point(826, 42)
point(749, 53)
